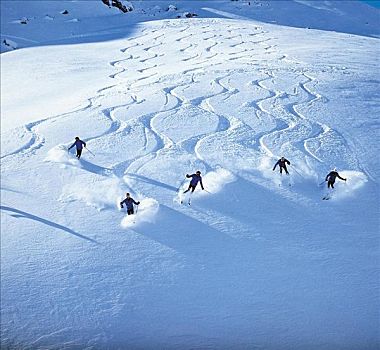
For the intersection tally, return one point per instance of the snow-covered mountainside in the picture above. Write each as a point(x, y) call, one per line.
point(255, 260)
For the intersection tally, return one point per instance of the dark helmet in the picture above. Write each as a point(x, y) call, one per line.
point(77, 138)
point(127, 194)
point(198, 172)
point(282, 158)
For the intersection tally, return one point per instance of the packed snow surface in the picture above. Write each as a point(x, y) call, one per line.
point(257, 259)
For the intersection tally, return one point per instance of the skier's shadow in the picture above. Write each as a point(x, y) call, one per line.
point(24, 215)
point(152, 182)
point(11, 190)
point(190, 236)
point(95, 169)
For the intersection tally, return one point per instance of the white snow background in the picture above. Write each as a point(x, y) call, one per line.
point(253, 263)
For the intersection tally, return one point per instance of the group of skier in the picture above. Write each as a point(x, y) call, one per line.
point(197, 178)
point(330, 177)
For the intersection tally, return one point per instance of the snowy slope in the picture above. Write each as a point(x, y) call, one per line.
point(253, 262)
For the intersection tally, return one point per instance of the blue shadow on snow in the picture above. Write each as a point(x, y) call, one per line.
point(25, 215)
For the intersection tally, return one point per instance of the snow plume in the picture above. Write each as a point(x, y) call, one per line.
point(355, 180)
point(214, 181)
point(300, 170)
point(266, 165)
point(100, 194)
point(145, 212)
point(59, 154)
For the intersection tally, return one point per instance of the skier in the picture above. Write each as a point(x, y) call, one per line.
point(79, 146)
point(330, 178)
point(282, 163)
point(195, 178)
point(129, 201)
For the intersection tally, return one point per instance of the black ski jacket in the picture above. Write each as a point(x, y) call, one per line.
point(78, 144)
point(333, 175)
point(129, 203)
point(195, 178)
point(281, 163)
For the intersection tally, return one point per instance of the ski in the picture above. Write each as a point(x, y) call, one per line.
point(283, 185)
point(328, 195)
point(185, 199)
point(189, 201)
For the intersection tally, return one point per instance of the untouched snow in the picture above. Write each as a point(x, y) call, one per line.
point(258, 260)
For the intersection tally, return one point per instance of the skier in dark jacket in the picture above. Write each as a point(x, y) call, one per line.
point(195, 178)
point(79, 145)
point(129, 201)
point(282, 163)
point(331, 177)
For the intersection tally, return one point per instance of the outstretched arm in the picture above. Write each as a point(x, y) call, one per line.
point(275, 165)
point(342, 178)
point(287, 161)
point(201, 184)
point(72, 146)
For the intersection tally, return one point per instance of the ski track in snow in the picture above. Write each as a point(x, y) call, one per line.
point(289, 132)
point(180, 98)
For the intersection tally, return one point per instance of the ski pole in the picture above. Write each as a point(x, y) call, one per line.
point(207, 191)
point(295, 170)
point(183, 181)
point(321, 183)
point(234, 195)
point(90, 151)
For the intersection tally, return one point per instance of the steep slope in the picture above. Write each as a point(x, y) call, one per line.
point(259, 260)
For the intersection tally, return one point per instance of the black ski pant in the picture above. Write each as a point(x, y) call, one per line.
point(191, 187)
point(130, 211)
point(284, 167)
point(330, 184)
point(79, 153)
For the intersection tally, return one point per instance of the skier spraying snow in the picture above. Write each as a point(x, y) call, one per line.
point(79, 146)
point(195, 178)
point(331, 177)
point(129, 201)
point(282, 163)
